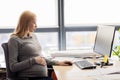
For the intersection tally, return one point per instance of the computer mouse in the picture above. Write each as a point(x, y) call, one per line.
point(69, 63)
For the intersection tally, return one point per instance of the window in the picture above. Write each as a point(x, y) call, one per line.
point(48, 41)
point(80, 40)
point(3, 38)
point(46, 11)
point(116, 39)
point(91, 12)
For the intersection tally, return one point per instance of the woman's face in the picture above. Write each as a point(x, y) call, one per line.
point(32, 25)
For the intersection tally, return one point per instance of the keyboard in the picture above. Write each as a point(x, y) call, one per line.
point(84, 64)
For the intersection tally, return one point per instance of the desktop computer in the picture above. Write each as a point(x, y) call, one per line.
point(103, 43)
point(102, 46)
point(104, 40)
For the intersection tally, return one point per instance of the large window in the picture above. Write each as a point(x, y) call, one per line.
point(80, 40)
point(56, 29)
point(46, 11)
point(48, 41)
point(91, 12)
point(3, 38)
point(116, 39)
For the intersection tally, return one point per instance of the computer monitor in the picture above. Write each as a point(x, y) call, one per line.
point(104, 40)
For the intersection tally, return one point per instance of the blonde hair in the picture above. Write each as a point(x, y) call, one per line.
point(22, 26)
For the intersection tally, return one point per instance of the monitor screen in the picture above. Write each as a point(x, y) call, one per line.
point(104, 40)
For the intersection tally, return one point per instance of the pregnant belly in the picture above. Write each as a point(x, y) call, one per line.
point(35, 71)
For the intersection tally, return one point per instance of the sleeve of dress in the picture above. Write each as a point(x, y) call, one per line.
point(50, 62)
point(13, 57)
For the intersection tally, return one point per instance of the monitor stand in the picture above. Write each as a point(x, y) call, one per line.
point(103, 63)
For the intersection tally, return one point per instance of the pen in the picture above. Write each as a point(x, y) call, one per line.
point(114, 73)
point(102, 63)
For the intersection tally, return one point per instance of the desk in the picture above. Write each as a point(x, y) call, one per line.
point(75, 73)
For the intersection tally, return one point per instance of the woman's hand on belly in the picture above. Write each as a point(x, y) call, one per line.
point(40, 60)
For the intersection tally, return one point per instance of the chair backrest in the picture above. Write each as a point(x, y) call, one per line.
point(9, 74)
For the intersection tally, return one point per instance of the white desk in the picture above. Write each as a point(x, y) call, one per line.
point(75, 73)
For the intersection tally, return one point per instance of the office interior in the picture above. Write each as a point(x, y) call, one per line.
point(62, 25)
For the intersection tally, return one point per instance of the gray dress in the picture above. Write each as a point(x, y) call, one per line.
point(22, 51)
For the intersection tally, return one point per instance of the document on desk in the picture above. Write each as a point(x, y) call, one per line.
point(108, 77)
point(100, 73)
point(109, 71)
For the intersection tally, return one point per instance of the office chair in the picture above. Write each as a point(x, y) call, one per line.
point(13, 75)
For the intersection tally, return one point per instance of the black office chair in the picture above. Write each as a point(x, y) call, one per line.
point(12, 75)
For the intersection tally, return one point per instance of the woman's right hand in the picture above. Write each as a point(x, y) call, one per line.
point(40, 60)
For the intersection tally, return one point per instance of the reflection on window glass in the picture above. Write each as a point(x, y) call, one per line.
point(80, 40)
point(48, 41)
point(46, 11)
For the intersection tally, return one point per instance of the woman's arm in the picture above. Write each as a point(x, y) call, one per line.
point(60, 63)
point(15, 65)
